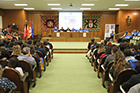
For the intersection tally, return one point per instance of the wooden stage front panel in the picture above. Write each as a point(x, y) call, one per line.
point(70, 36)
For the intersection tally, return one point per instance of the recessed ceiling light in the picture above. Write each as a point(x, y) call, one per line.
point(114, 9)
point(53, 4)
point(85, 8)
point(29, 8)
point(131, 0)
point(122, 5)
point(88, 4)
point(56, 8)
point(21, 4)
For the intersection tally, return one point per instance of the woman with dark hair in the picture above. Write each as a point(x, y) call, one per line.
point(119, 64)
point(13, 61)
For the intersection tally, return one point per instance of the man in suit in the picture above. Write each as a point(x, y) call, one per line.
point(62, 30)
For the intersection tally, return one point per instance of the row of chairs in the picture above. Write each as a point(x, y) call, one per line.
point(122, 77)
point(30, 72)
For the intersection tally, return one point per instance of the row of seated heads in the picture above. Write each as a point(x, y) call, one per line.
point(19, 45)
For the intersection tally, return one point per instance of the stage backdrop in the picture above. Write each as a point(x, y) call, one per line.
point(92, 22)
point(49, 22)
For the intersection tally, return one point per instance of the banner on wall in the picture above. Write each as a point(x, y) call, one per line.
point(109, 28)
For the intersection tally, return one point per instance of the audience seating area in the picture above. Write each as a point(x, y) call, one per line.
point(111, 83)
point(31, 72)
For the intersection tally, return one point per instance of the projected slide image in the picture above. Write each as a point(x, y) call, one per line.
point(70, 19)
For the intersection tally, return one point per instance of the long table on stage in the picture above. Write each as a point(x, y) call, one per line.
point(71, 36)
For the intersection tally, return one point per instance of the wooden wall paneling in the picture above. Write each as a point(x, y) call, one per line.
point(1, 12)
point(14, 16)
point(134, 20)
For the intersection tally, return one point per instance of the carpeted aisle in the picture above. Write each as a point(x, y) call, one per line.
point(69, 73)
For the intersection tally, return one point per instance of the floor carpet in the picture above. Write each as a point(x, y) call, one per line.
point(69, 73)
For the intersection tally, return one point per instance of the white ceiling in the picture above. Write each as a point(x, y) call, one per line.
point(100, 5)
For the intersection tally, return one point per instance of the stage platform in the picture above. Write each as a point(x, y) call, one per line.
point(61, 39)
point(70, 47)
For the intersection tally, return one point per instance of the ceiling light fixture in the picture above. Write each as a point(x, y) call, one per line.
point(29, 8)
point(114, 9)
point(85, 8)
point(122, 5)
point(56, 8)
point(87, 4)
point(21, 4)
point(53, 4)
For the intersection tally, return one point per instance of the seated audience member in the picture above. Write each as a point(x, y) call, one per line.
point(109, 44)
point(17, 51)
point(27, 56)
point(13, 61)
point(4, 54)
point(122, 46)
point(127, 37)
point(107, 50)
point(135, 89)
point(120, 39)
point(128, 56)
point(55, 29)
point(68, 30)
point(101, 50)
point(90, 43)
point(62, 30)
point(73, 30)
point(11, 48)
point(80, 30)
point(138, 32)
point(110, 57)
point(86, 30)
point(119, 64)
point(135, 50)
point(6, 84)
point(135, 79)
point(38, 47)
point(134, 33)
point(112, 34)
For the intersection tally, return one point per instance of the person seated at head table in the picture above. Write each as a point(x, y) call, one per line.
point(80, 30)
point(61, 30)
point(86, 30)
point(68, 30)
point(55, 29)
point(134, 33)
point(73, 30)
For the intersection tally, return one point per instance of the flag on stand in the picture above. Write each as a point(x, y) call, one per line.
point(32, 33)
point(25, 29)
